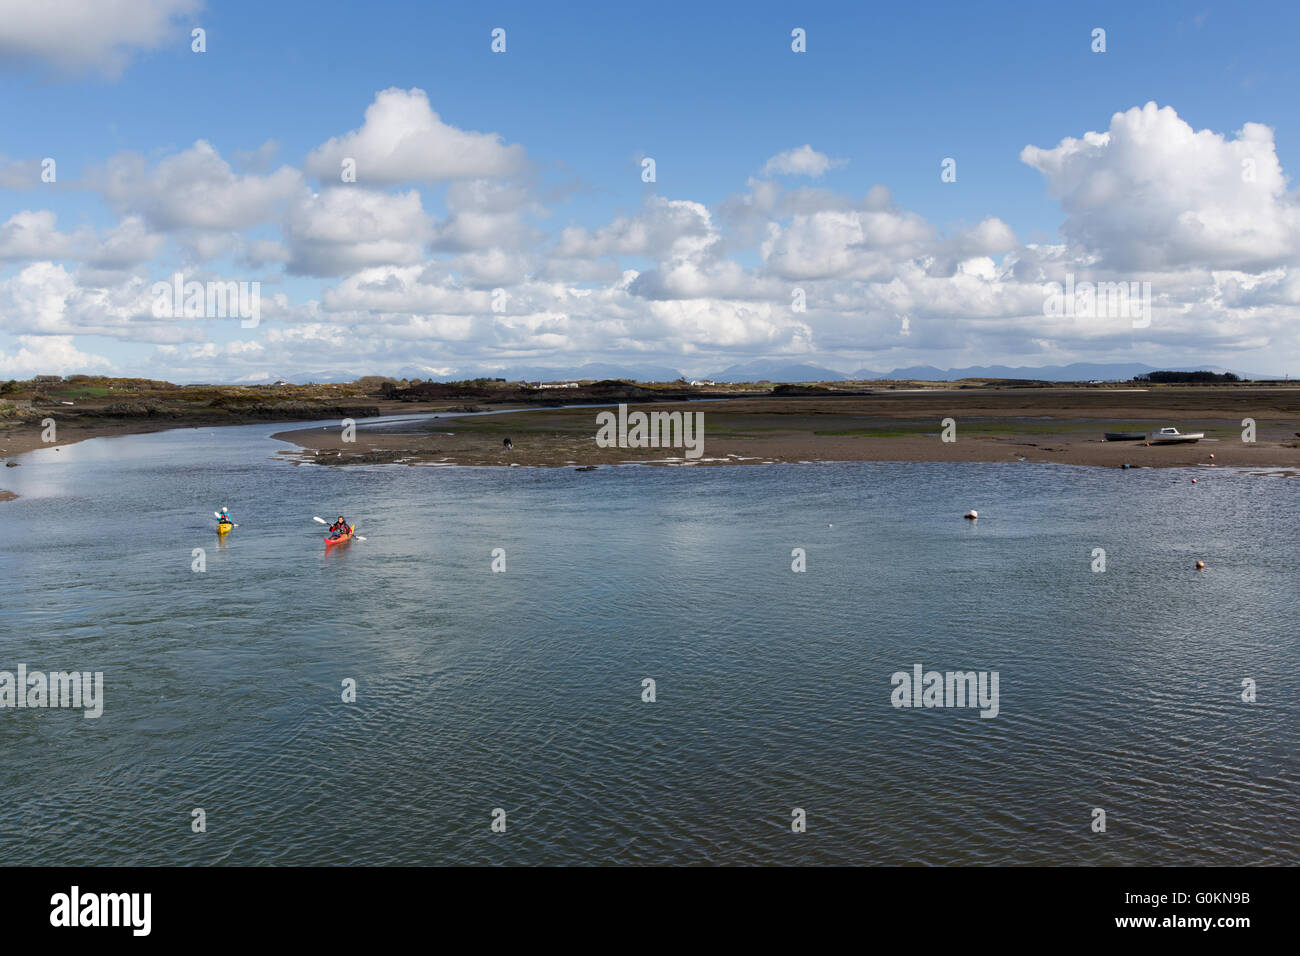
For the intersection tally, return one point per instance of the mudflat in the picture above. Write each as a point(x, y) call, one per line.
point(1060, 425)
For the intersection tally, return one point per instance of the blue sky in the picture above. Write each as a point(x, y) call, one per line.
point(712, 93)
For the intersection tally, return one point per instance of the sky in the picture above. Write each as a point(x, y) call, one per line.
point(918, 185)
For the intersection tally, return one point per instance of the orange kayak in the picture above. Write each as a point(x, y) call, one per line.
point(340, 537)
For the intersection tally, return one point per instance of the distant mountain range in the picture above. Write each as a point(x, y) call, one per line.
point(778, 370)
point(597, 371)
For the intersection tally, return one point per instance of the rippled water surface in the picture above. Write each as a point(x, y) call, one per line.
point(522, 690)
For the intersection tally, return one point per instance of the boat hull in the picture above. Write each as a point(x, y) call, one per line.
point(333, 539)
point(1126, 436)
point(1176, 439)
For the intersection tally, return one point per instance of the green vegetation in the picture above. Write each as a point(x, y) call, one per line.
point(1187, 377)
point(74, 392)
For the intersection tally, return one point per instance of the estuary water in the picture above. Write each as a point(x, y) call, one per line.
point(523, 690)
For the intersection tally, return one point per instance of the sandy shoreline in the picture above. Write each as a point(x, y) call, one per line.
point(1063, 426)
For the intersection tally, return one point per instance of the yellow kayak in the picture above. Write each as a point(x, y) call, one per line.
point(223, 527)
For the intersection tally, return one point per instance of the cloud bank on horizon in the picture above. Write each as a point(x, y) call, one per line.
point(405, 242)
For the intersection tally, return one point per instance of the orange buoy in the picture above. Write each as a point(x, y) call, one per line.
point(1200, 565)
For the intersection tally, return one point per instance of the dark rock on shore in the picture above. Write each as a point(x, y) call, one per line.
point(308, 410)
point(376, 456)
point(220, 413)
point(818, 390)
point(127, 410)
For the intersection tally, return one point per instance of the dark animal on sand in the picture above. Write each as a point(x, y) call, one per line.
point(510, 446)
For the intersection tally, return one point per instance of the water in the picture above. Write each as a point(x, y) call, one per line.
point(522, 690)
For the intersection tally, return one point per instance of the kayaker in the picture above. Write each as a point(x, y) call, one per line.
point(339, 526)
point(224, 517)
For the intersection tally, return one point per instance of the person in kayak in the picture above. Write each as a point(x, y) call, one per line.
point(339, 527)
point(224, 517)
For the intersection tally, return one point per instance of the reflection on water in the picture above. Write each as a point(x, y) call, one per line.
point(522, 690)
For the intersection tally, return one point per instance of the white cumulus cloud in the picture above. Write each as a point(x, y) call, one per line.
point(801, 161)
point(404, 141)
point(194, 189)
point(48, 355)
point(1151, 193)
point(343, 229)
point(97, 35)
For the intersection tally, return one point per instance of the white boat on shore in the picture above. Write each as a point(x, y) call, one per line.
point(1172, 436)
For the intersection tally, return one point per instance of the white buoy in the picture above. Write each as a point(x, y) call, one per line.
point(972, 514)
